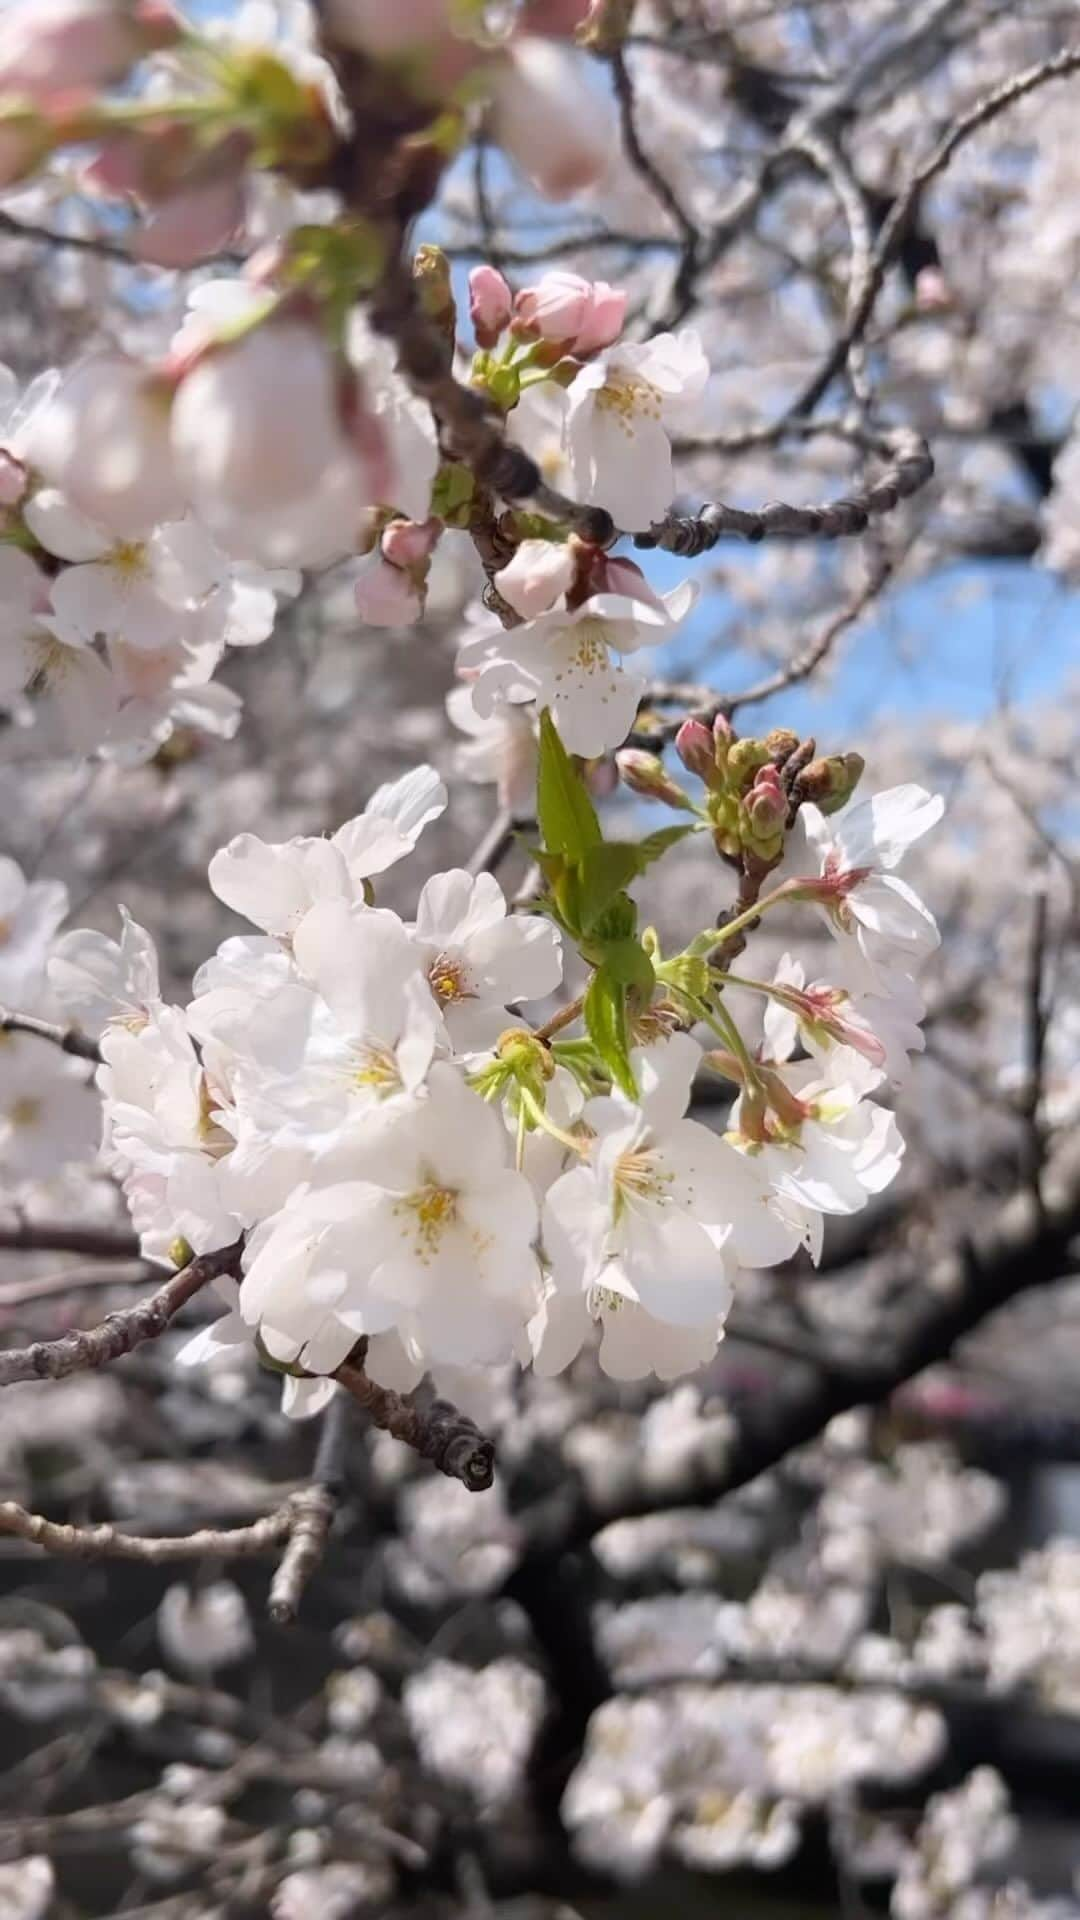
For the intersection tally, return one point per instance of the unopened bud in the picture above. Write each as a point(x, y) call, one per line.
point(766, 813)
point(781, 743)
point(830, 783)
point(694, 746)
point(645, 773)
point(490, 304)
point(406, 543)
point(845, 771)
point(181, 1252)
point(743, 761)
point(431, 272)
point(525, 1055)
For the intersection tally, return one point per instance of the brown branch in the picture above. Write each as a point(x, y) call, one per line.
point(892, 233)
point(55, 1236)
point(682, 291)
point(121, 1331)
point(490, 852)
point(439, 1432)
point(50, 1286)
point(106, 1542)
point(313, 1512)
point(911, 466)
point(68, 1039)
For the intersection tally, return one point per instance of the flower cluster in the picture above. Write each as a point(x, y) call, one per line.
point(411, 1161)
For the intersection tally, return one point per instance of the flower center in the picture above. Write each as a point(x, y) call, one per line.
point(626, 398)
point(639, 1176)
point(604, 1300)
point(449, 981)
point(128, 559)
point(25, 1111)
point(426, 1215)
point(53, 663)
point(590, 648)
point(375, 1066)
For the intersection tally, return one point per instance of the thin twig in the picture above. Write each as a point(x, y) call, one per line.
point(490, 852)
point(107, 1542)
point(910, 467)
point(892, 233)
point(49, 1286)
point(702, 703)
point(439, 1432)
point(55, 1236)
point(121, 1331)
point(682, 291)
point(313, 1514)
point(68, 1039)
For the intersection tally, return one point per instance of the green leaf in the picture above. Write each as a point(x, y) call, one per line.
point(452, 492)
point(629, 964)
point(654, 844)
point(608, 1027)
point(567, 816)
point(605, 870)
point(617, 922)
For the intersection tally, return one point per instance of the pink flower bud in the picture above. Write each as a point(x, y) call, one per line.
point(624, 577)
point(490, 304)
point(539, 573)
point(545, 114)
point(103, 439)
point(386, 596)
point(581, 315)
point(604, 321)
point(52, 47)
point(556, 307)
point(766, 802)
point(407, 543)
point(601, 777)
point(645, 773)
point(694, 746)
point(191, 225)
point(263, 444)
point(421, 31)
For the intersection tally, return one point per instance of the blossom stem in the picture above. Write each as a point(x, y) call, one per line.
point(531, 1105)
point(564, 1018)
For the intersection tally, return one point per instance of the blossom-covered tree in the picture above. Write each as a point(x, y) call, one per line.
point(609, 1178)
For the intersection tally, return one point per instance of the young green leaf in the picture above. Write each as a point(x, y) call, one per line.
point(608, 1027)
point(567, 816)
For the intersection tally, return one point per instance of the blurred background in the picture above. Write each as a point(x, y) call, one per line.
point(800, 1635)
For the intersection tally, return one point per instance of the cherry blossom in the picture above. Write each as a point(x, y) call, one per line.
point(30, 912)
point(566, 660)
point(620, 410)
point(477, 959)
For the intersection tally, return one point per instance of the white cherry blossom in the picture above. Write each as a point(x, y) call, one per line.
point(645, 1220)
point(477, 959)
point(569, 661)
point(48, 1112)
point(30, 912)
point(98, 980)
point(851, 855)
point(274, 885)
point(620, 410)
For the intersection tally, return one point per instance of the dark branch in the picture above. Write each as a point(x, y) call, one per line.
point(68, 1039)
point(439, 1432)
point(121, 1331)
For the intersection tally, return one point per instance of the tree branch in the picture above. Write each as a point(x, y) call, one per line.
point(313, 1514)
point(121, 1331)
point(911, 466)
point(68, 1039)
point(48, 1236)
point(892, 233)
point(439, 1432)
point(106, 1542)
